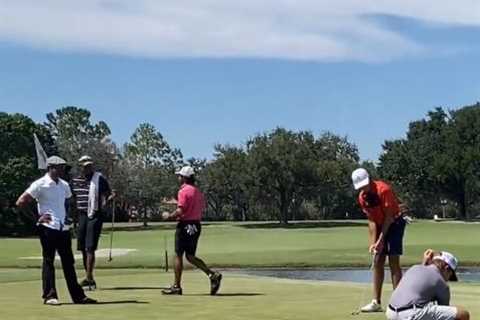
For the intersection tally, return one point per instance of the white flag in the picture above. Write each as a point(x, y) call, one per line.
point(41, 155)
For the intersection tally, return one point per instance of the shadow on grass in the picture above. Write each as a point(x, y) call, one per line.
point(304, 225)
point(226, 294)
point(109, 302)
point(132, 288)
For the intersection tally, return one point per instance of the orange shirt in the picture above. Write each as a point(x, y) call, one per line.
point(383, 198)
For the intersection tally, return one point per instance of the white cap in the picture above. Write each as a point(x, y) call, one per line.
point(360, 178)
point(451, 261)
point(85, 160)
point(186, 171)
point(55, 161)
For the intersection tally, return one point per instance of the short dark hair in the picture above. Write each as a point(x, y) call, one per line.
point(189, 180)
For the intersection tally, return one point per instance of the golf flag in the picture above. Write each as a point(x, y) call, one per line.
point(41, 155)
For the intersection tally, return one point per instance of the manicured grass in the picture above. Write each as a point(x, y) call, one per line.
point(263, 245)
point(130, 286)
point(135, 294)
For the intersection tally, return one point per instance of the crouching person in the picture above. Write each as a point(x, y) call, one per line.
point(423, 293)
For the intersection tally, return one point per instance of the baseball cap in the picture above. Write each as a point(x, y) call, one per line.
point(55, 161)
point(85, 160)
point(186, 171)
point(451, 261)
point(360, 178)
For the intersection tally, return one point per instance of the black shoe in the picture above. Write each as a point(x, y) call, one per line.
point(215, 281)
point(173, 290)
point(89, 285)
point(86, 300)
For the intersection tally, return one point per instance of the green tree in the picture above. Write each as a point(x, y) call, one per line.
point(75, 135)
point(439, 159)
point(18, 168)
point(225, 181)
point(149, 164)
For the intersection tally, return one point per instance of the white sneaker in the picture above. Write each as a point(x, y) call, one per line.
point(373, 306)
point(52, 302)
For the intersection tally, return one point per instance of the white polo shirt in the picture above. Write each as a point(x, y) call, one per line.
point(50, 197)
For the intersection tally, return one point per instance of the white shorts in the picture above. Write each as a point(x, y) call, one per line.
point(429, 312)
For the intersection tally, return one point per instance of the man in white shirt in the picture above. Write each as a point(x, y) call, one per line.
point(51, 192)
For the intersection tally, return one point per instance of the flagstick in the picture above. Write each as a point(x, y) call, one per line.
point(166, 253)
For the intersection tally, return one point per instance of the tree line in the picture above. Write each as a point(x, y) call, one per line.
point(278, 175)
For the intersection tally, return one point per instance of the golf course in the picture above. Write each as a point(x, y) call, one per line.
point(130, 284)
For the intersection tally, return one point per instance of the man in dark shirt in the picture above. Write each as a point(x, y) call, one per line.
point(92, 192)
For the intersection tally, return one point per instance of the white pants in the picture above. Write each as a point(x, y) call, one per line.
point(429, 312)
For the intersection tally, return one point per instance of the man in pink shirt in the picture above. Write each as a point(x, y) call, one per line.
point(190, 206)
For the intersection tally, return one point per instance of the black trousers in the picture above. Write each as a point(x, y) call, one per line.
point(58, 241)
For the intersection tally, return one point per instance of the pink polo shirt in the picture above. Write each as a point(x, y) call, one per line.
point(192, 202)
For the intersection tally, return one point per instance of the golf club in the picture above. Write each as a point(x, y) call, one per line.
point(111, 231)
point(362, 296)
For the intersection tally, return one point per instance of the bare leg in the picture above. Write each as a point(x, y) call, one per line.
point(90, 265)
point(84, 257)
point(395, 269)
point(178, 270)
point(197, 262)
point(378, 276)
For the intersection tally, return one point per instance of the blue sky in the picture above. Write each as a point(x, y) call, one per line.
point(363, 71)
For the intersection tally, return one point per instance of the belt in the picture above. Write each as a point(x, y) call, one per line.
point(409, 307)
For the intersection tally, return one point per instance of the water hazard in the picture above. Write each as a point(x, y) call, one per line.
point(347, 275)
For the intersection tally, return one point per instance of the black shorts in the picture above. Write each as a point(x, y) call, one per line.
point(89, 230)
point(394, 238)
point(186, 237)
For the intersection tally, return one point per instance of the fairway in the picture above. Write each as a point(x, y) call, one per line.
point(316, 244)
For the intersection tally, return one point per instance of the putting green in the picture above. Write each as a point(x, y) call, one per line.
point(135, 294)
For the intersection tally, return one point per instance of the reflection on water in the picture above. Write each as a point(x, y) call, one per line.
point(348, 275)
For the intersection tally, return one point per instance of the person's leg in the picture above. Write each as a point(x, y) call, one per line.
point(90, 265)
point(47, 240)
point(64, 247)
point(81, 237)
point(395, 270)
point(394, 243)
point(190, 251)
point(178, 266)
point(190, 244)
point(94, 230)
point(437, 312)
point(197, 262)
point(176, 288)
point(378, 276)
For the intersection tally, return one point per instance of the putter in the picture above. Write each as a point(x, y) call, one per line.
point(111, 232)
point(362, 296)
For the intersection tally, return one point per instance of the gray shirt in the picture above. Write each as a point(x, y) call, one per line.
point(421, 285)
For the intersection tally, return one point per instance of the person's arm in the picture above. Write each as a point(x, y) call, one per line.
point(389, 205)
point(388, 220)
point(428, 257)
point(178, 213)
point(372, 235)
point(443, 294)
point(24, 200)
point(28, 197)
point(181, 204)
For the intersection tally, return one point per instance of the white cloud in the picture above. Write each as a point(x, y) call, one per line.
point(320, 30)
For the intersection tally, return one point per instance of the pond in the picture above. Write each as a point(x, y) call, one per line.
point(348, 275)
